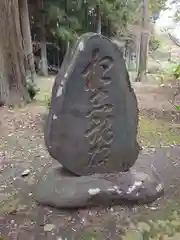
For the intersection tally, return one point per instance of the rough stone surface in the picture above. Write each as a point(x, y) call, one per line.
point(92, 124)
point(124, 188)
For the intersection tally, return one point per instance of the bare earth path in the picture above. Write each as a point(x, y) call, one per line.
point(22, 147)
point(156, 100)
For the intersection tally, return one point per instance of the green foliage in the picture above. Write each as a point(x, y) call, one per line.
point(159, 229)
point(177, 7)
point(176, 72)
point(66, 20)
point(60, 24)
point(47, 101)
point(157, 5)
point(177, 108)
point(154, 44)
point(32, 89)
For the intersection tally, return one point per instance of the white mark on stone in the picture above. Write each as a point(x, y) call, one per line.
point(66, 74)
point(54, 117)
point(81, 46)
point(138, 183)
point(94, 191)
point(49, 227)
point(117, 190)
point(133, 187)
point(59, 91)
point(114, 189)
point(159, 187)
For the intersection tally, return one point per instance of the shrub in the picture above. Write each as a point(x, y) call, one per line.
point(154, 44)
point(47, 101)
point(176, 72)
point(32, 89)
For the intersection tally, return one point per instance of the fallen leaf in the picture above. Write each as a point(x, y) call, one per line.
point(25, 173)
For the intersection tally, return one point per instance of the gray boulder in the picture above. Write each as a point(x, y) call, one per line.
point(104, 190)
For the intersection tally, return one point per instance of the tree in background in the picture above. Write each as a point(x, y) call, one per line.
point(150, 8)
point(12, 70)
point(57, 22)
point(44, 65)
point(176, 3)
point(66, 20)
point(26, 35)
point(38, 18)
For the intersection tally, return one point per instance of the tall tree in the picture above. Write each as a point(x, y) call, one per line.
point(64, 26)
point(26, 34)
point(144, 42)
point(12, 72)
point(44, 64)
point(98, 15)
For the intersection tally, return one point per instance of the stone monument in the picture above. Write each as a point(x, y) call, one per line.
point(91, 130)
point(92, 124)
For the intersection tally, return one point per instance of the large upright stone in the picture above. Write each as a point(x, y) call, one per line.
point(92, 124)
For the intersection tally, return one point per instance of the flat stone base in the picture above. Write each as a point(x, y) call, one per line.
point(112, 189)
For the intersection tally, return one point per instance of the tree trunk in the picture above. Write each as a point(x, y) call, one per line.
point(98, 12)
point(4, 91)
point(13, 89)
point(144, 43)
point(66, 11)
point(143, 57)
point(170, 54)
point(44, 64)
point(27, 40)
point(85, 6)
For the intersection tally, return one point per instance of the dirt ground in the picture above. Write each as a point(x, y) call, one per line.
point(156, 100)
point(22, 148)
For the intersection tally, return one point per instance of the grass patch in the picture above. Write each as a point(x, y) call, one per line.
point(90, 235)
point(43, 96)
point(163, 224)
point(157, 132)
point(45, 86)
point(165, 229)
